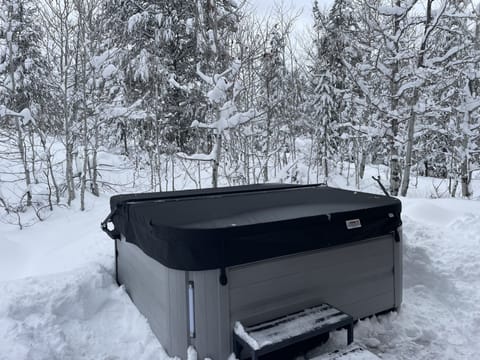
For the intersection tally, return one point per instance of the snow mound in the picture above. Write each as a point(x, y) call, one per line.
point(15, 252)
point(78, 314)
point(431, 213)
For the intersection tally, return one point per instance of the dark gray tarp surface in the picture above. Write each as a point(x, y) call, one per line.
point(217, 228)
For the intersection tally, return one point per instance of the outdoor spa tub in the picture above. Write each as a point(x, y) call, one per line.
point(195, 262)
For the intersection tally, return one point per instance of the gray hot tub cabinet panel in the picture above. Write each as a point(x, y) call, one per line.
point(357, 278)
point(213, 331)
point(159, 293)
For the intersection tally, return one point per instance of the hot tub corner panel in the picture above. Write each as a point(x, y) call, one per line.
point(159, 293)
point(213, 332)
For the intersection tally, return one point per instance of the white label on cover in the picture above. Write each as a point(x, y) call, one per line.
point(353, 224)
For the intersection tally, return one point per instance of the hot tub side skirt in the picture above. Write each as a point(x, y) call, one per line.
point(356, 278)
point(159, 293)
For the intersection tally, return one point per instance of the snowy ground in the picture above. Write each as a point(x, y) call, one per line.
point(59, 299)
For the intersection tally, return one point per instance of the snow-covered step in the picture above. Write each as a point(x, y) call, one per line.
point(353, 352)
point(278, 333)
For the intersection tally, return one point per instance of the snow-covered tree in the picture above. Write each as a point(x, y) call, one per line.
point(162, 42)
point(222, 96)
point(23, 70)
point(333, 90)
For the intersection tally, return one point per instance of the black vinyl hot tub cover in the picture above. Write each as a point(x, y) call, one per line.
point(217, 228)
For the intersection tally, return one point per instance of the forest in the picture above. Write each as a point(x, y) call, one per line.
point(209, 87)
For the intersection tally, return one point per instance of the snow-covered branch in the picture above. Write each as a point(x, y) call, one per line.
point(227, 123)
point(207, 79)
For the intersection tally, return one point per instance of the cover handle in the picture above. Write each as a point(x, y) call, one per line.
point(104, 226)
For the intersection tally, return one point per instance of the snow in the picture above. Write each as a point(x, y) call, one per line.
point(189, 24)
point(200, 157)
point(135, 19)
point(218, 93)
point(225, 122)
point(409, 85)
point(242, 333)
point(391, 10)
point(279, 330)
point(452, 51)
point(81, 313)
point(109, 71)
point(27, 116)
point(352, 352)
point(60, 300)
point(4, 111)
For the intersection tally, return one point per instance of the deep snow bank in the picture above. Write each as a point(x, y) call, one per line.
point(81, 314)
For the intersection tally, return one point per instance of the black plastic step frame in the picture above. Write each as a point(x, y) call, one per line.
point(347, 322)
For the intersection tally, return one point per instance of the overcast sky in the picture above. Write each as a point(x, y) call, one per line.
point(265, 7)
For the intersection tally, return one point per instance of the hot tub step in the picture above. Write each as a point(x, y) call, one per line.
point(276, 334)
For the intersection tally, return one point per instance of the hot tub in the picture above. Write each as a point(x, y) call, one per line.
point(195, 262)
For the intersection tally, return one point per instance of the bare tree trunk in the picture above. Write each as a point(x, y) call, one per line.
point(464, 167)
point(348, 173)
point(69, 118)
point(454, 188)
point(415, 97)
point(158, 153)
point(395, 167)
point(20, 134)
point(124, 137)
point(269, 134)
point(23, 157)
point(363, 160)
point(408, 155)
point(50, 204)
point(464, 179)
point(94, 187)
point(199, 173)
point(172, 159)
point(54, 181)
point(157, 142)
point(33, 160)
point(357, 163)
point(216, 160)
point(246, 162)
point(83, 60)
point(151, 156)
point(69, 162)
point(84, 171)
point(325, 150)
